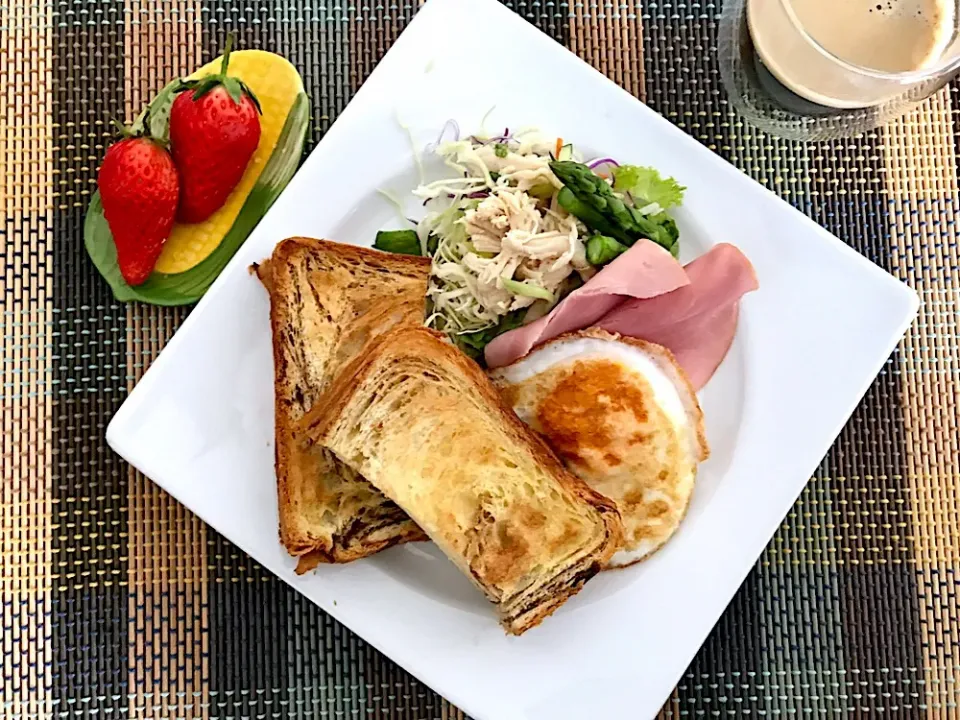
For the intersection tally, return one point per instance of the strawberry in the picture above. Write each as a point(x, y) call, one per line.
point(214, 130)
point(139, 189)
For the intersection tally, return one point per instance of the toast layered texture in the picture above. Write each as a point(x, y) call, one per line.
point(327, 301)
point(425, 426)
point(622, 416)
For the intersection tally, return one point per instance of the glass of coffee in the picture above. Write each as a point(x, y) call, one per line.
point(821, 69)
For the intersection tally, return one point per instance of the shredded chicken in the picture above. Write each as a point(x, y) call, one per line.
point(503, 243)
point(524, 172)
point(513, 239)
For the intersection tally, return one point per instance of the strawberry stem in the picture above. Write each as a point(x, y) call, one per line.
point(226, 54)
point(235, 87)
point(124, 130)
point(140, 127)
point(134, 129)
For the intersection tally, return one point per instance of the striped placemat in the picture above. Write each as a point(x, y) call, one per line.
point(117, 602)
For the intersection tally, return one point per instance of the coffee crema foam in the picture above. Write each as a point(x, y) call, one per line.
point(882, 36)
point(887, 35)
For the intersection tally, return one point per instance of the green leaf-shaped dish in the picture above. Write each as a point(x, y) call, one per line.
point(189, 286)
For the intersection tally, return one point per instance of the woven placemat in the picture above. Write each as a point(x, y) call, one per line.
point(118, 602)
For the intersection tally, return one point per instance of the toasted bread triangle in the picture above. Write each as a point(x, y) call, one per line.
point(426, 426)
point(327, 300)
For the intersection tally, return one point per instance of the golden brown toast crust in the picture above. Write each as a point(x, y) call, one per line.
point(318, 426)
point(326, 301)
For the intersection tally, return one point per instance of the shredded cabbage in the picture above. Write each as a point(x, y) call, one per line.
point(483, 120)
point(413, 147)
point(526, 289)
point(391, 198)
point(501, 243)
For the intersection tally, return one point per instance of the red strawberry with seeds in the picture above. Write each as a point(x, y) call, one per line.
point(139, 189)
point(214, 131)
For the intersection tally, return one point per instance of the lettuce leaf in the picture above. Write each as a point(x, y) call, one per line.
point(472, 344)
point(646, 186)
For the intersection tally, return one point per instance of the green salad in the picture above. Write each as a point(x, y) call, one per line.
point(521, 222)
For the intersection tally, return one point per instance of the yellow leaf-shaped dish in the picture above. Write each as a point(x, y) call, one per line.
point(276, 83)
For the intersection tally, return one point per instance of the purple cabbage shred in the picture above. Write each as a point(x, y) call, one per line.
point(594, 164)
point(506, 137)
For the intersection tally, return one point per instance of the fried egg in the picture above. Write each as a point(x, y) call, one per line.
point(622, 416)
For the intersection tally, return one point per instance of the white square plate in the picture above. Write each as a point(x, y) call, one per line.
point(200, 423)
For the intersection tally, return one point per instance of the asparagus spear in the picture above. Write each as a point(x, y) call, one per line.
point(601, 249)
point(405, 242)
point(591, 199)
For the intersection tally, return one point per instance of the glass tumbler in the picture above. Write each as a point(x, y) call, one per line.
point(822, 69)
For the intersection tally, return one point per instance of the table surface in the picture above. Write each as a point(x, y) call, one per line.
point(118, 602)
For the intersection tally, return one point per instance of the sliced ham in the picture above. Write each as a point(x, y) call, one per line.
point(646, 270)
point(696, 322)
point(646, 294)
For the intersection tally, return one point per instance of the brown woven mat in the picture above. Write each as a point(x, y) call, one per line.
point(118, 602)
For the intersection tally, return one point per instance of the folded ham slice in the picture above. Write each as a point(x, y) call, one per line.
point(646, 270)
point(646, 294)
point(696, 322)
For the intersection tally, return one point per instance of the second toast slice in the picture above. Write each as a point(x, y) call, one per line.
point(327, 300)
point(423, 423)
